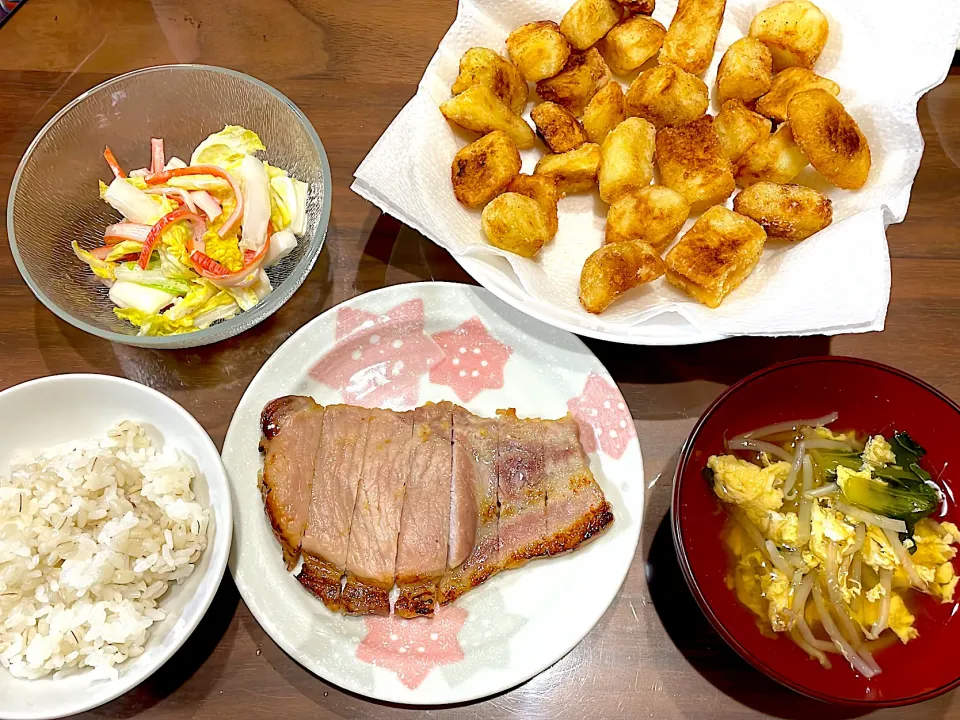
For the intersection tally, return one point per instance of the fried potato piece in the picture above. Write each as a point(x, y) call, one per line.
point(631, 43)
point(692, 162)
point(482, 66)
point(745, 72)
point(538, 50)
point(626, 158)
point(542, 189)
point(573, 171)
point(739, 128)
point(787, 212)
point(776, 158)
point(666, 95)
point(559, 129)
point(614, 269)
point(715, 255)
point(654, 215)
point(515, 223)
point(589, 20)
point(788, 83)
point(581, 79)
point(483, 169)
point(604, 112)
point(795, 31)
point(692, 34)
point(639, 7)
point(830, 138)
point(477, 108)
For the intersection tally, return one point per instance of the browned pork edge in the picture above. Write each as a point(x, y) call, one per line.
point(290, 429)
point(577, 509)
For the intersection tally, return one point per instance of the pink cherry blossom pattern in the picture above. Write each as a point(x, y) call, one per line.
point(473, 362)
point(378, 360)
point(603, 417)
point(412, 648)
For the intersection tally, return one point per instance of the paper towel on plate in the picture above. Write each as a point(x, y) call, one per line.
point(883, 55)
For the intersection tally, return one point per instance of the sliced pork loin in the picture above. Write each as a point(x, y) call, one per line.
point(521, 490)
point(291, 428)
point(374, 530)
point(338, 464)
point(576, 507)
point(425, 521)
point(474, 546)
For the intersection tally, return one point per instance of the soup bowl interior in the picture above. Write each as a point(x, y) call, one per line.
point(870, 398)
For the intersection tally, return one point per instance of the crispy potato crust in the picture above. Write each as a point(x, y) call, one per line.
point(515, 223)
point(786, 212)
point(477, 108)
point(613, 269)
point(581, 78)
point(667, 95)
point(788, 83)
point(631, 43)
point(739, 129)
point(482, 66)
point(589, 20)
point(653, 215)
point(692, 162)
point(604, 112)
point(559, 130)
point(776, 158)
point(692, 34)
point(745, 72)
point(483, 169)
point(574, 171)
point(717, 254)
point(830, 138)
point(626, 159)
point(795, 31)
point(538, 49)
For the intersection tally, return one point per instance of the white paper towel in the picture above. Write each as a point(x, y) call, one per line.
point(884, 56)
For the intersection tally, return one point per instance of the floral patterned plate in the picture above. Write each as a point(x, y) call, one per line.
point(400, 347)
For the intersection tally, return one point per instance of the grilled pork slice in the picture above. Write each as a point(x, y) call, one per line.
point(474, 550)
point(425, 521)
point(576, 507)
point(521, 491)
point(372, 550)
point(333, 497)
point(291, 428)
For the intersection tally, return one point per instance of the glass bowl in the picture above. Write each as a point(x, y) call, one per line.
point(54, 199)
point(871, 398)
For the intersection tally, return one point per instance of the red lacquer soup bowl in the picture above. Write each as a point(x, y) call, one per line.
point(871, 398)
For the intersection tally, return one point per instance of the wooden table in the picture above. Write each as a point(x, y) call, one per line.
point(351, 66)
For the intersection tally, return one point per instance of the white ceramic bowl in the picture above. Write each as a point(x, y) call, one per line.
point(61, 408)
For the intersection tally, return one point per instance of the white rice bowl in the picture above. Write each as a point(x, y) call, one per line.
point(92, 535)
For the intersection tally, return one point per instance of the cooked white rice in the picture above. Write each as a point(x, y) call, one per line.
point(91, 535)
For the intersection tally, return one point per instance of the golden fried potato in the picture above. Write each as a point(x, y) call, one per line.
point(483, 169)
point(787, 212)
point(776, 158)
point(739, 128)
point(542, 189)
point(604, 112)
point(830, 138)
point(614, 269)
point(666, 95)
point(631, 43)
point(692, 162)
point(573, 171)
point(788, 83)
point(795, 31)
point(654, 215)
point(515, 223)
point(581, 78)
point(715, 255)
point(692, 34)
point(639, 7)
point(481, 66)
point(538, 49)
point(745, 72)
point(477, 108)
point(559, 129)
point(626, 158)
point(589, 20)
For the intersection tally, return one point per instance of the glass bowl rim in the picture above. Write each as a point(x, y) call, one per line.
point(684, 560)
point(240, 322)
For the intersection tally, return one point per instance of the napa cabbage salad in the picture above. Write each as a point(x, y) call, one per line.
point(832, 536)
point(196, 238)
